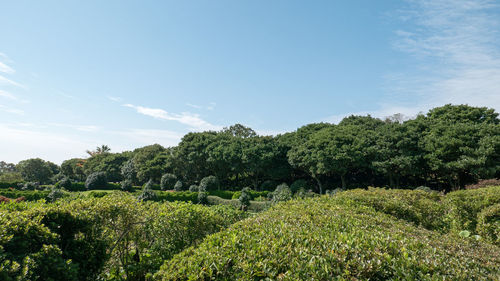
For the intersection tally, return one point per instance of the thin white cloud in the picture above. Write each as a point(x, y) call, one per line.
point(83, 128)
point(210, 106)
point(192, 120)
point(11, 110)
point(457, 45)
point(6, 69)
point(6, 81)
point(7, 95)
point(114, 99)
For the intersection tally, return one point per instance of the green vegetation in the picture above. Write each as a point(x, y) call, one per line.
point(338, 238)
point(113, 237)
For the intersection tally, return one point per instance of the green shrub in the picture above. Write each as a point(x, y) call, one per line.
point(464, 206)
point(14, 185)
point(184, 196)
point(244, 198)
point(325, 239)
point(55, 194)
point(96, 180)
point(202, 197)
point(268, 185)
point(300, 184)
point(415, 206)
point(178, 186)
point(28, 195)
point(225, 194)
point(31, 186)
point(168, 181)
point(65, 183)
point(147, 193)
point(194, 188)
point(282, 193)
point(252, 193)
point(127, 186)
point(488, 224)
point(97, 194)
point(110, 238)
point(209, 183)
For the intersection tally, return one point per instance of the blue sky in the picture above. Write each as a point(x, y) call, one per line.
point(78, 74)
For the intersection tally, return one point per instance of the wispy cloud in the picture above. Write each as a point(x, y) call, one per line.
point(11, 110)
point(5, 68)
point(114, 99)
point(210, 106)
point(194, 121)
point(6, 81)
point(7, 95)
point(457, 45)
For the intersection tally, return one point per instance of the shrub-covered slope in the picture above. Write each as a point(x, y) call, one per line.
point(114, 237)
point(337, 238)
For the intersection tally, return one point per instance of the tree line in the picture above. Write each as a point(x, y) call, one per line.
point(445, 149)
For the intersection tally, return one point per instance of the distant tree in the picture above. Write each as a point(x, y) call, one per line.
point(36, 170)
point(96, 180)
point(109, 163)
point(178, 186)
point(168, 181)
point(99, 150)
point(210, 183)
point(147, 193)
point(129, 171)
point(245, 198)
point(238, 130)
point(282, 193)
point(126, 185)
point(73, 168)
point(7, 167)
point(150, 162)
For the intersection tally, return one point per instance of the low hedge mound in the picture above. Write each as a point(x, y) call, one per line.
point(331, 239)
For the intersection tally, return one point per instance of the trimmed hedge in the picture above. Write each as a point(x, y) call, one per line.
point(10, 184)
point(330, 239)
point(29, 195)
point(110, 238)
point(253, 194)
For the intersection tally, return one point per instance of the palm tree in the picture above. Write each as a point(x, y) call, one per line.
point(99, 150)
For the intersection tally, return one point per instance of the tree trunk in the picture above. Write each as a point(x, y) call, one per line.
point(391, 180)
point(342, 178)
point(319, 185)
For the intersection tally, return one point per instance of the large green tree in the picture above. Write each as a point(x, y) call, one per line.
point(37, 170)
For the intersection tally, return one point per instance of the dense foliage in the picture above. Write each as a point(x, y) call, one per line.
point(114, 237)
point(446, 149)
point(337, 238)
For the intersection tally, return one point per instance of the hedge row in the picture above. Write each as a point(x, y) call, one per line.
point(329, 239)
point(111, 238)
point(453, 212)
point(29, 195)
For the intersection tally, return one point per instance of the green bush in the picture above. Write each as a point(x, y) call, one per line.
point(300, 184)
point(244, 198)
point(170, 196)
point(253, 194)
point(127, 186)
point(326, 239)
point(110, 238)
point(14, 185)
point(464, 206)
point(202, 197)
point(28, 195)
point(488, 224)
point(415, 206)
point(55, 194)
point(65, 183)
point(209, 183)
point(147, 193)
point(96, 180)
point(178, 186)
point(282, 193)
point(225, 194)
point(194, 188)
point(31, 186)
point(168, 181)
